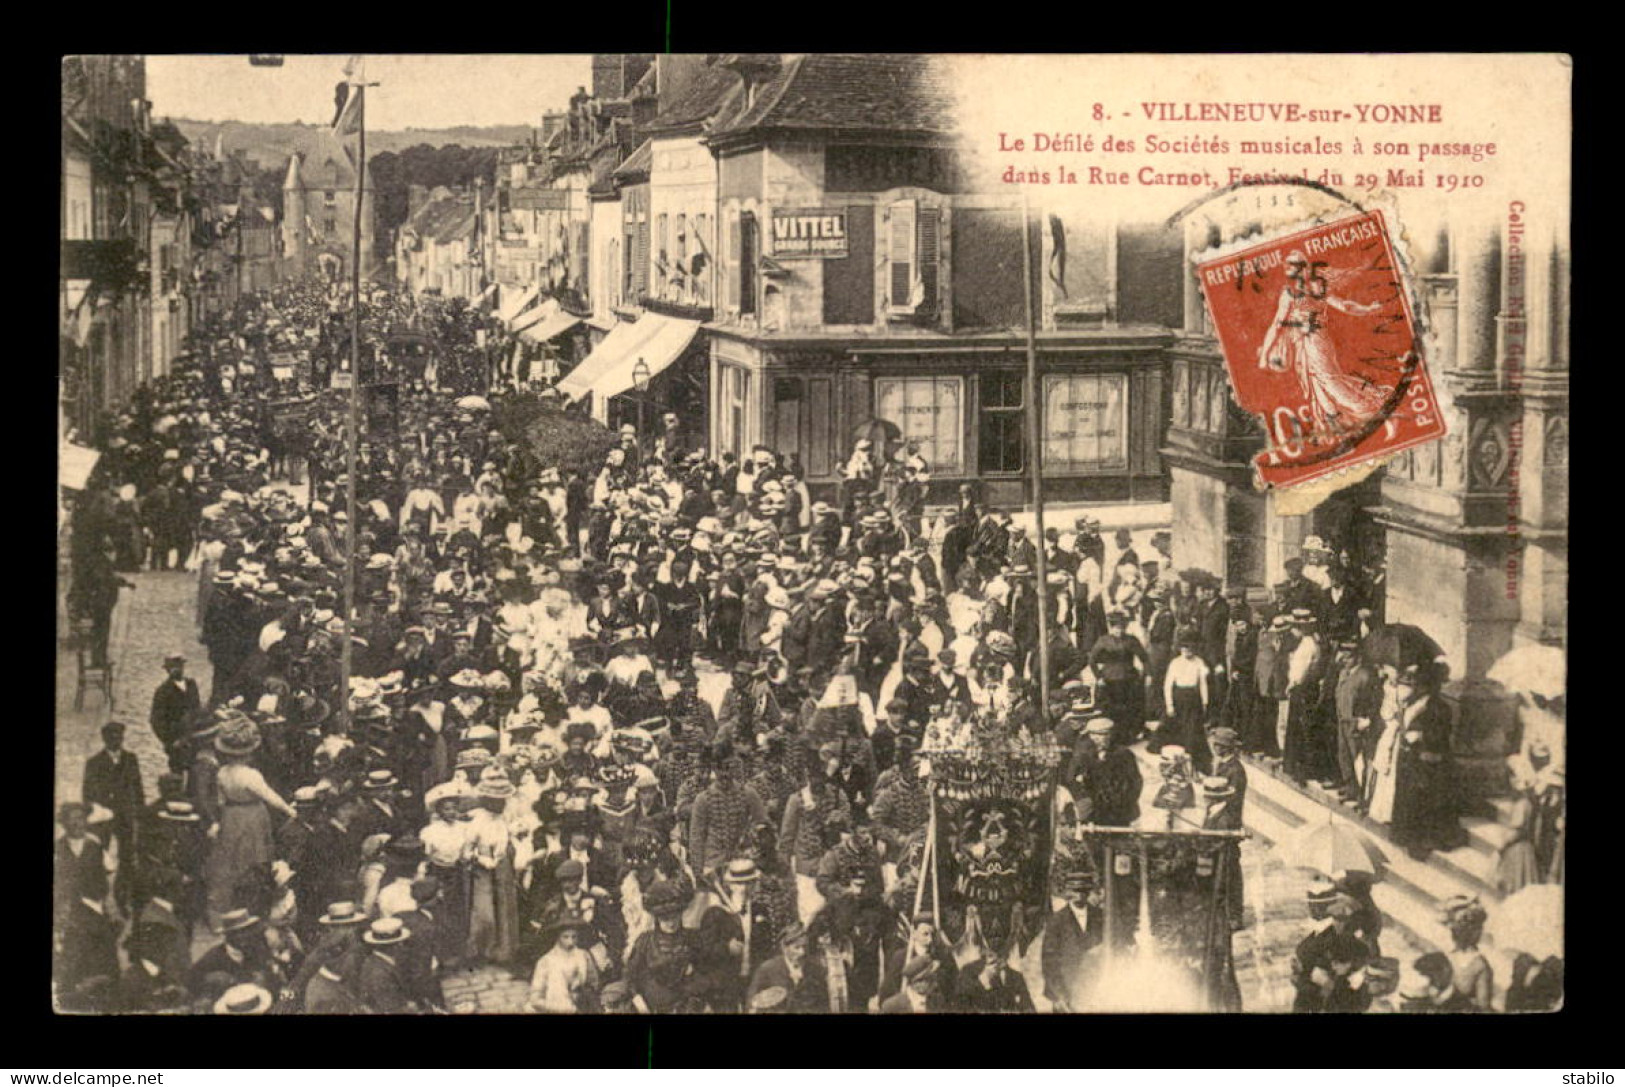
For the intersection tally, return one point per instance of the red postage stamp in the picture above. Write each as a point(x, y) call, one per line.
point(1320, 341)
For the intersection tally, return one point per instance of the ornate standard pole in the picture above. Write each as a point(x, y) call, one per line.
point(353, 430)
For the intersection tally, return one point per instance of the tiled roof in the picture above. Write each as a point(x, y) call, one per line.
point(877, 92)
point(637, 164)
point(710, 91)
point(444, 218)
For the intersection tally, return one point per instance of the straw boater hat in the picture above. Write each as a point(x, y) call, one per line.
point(237, 920)
point(179, 811)
point(245, 999)
point(343, 913)
point(742, 870)
point(385, 931)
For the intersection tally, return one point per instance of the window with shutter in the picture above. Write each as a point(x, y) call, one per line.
point(747, 263)
point(680, 258)
point(642, 280)
point(734, 246)
point(662, 258)
point(900, 254)
point(629, 256)
point(928, 255)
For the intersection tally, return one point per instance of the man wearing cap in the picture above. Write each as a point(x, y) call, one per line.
point(1108, 775)
point(112, 778)
point(1327, 965)
point(175, 706)
point(788, 971)
point(1071, 948)
point(921, 984)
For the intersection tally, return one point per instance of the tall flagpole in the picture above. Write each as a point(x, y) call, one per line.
point(353, 431)
point(1034, 435)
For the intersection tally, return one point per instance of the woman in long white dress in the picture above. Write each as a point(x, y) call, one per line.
point(1383, 777)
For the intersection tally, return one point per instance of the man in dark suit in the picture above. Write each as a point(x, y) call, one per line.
point(1109, 775)
point(1211, 622)
point(826, 628)
point(175, 706)
point(989, 985)
point(243, 956)
point(1072, 936)
point(381, 981)
point(788, 971)
point(918, 995)
point(956, 544)
point(113, 780)
point(877, 646)
point(335, 853)
point(1298, 591)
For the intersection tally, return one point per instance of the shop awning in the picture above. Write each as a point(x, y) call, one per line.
point(534, 316)
point(511, 307)
point(557, 321)
point(662, 348)
point(608, 371)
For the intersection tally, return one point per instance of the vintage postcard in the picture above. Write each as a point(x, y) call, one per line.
point(760, 533)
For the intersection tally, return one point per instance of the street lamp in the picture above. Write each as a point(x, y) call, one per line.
point(640, 381)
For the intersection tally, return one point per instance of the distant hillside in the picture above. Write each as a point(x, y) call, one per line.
point(272, 144)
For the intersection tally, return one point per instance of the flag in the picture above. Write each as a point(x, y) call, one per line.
point(347, 106)
point(1057, 260)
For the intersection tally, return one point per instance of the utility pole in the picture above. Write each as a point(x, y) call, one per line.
point(1035, 460)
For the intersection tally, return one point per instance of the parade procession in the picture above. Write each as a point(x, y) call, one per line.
point(585, 589)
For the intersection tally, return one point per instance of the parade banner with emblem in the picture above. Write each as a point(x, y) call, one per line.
point(992, 795)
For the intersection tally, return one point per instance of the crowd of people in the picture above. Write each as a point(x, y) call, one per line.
point(523, 769)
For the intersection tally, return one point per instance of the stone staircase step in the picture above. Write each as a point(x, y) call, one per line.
point(1487, 836)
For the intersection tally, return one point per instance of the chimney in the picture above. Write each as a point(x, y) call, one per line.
point(552, 122)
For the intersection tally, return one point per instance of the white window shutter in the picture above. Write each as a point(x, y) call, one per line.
point(900, 254)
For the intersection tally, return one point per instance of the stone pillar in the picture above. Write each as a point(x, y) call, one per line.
point(1543, 476)
point(1451, 559)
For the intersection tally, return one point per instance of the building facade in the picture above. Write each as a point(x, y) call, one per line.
point(105, 319)
point(318, 216)
point(436, 248)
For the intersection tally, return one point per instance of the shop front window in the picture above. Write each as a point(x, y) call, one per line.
point(999, 449)
point(1085, 422)
point(930, 411)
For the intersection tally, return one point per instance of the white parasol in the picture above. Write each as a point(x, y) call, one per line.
point(474, 403)
point(1536, 669)
point(1530, 920)
point(1330, 849)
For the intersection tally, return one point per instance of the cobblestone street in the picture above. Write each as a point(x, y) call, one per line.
point(153, 620)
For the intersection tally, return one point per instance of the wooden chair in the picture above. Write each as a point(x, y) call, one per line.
point(90, 675)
